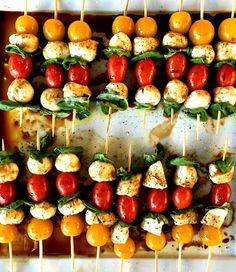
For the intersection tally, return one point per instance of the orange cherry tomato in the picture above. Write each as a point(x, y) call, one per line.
point(201, 32)
point(211, 236)
point(79, 31)
point(72, 225)
point(123, 24)
point(26, 24)
point(54, 30)
point(8, 233)
point(146, 27)
point(180, 22)
point(155, 242)
point(97, 235)
point(227, 30)
point(39, 229)
point(182, 234)
point(125, 251)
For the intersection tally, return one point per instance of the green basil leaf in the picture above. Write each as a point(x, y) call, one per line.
point(225, 108)
point(142, 106)
point(44, 65)
point(225, 206)
point(101, 157)
point(93, 209)
point(63, 200)
point(36, 155)
point(169, 104)
point(7, 105)
point(73, 60)
point(183, 161)
point(198, 61)
point(193, 113)
point(77, 150)
point(157, 156)
point(158, 217)
point(116, 51)
point(46, 142)
point(15, 49)
point(14, 205)
point(226, 165)
point(171, 51)
point(124, 174)
point(191, 207)
point(124, 225)
point(229, 61)
point(7, 156)
point(59, 114)
point(148, 54)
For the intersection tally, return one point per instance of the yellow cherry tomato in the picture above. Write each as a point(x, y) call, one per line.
point(227, 30)
point(123, 24)
point(155, 242)
point(54, 30)
point(182, 234)
point(79, 31)
point(8, 233)
point(97, 235)
point(125, 251)
point(201, 32)
point(39, 229)
point(211, 236)
point(26, 24)
point(180, 22)
point(146, 27)
point(72, 225)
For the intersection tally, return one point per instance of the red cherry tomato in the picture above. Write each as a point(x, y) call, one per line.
point(19, 67)
point(158, 200)
point(79, 74)
point(176, 66)
point(117, 68)
point(102, 196)
point(197, 77)
point(38, 188)
point(220, 194)
point(226, 75)
point(55, 77)
point(145, 72)
point(182, 197)
point(7, 192)
point(127, 208)
point(67, 184)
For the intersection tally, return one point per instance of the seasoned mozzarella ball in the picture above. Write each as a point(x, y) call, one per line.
point(144, 44)
point(73, 206)
point(27, 42)
point(215, 218)
point(107, 219)
point(40, 168)
point(56, 49)
point(205, 51)
point(175, 40)
point(148, 94)
point(102, 171)
point(11, 217)
point(119, 235)
point(152, 225)
point(87, 50)
point(186, 176)
point(225, 51)
point(155, 176)
point(190, 217)
point(91, 218)
point(20, 90)
point(198, 99)
point(8, 172)
point(225, 94)
point(72, 89)
point(50, 97)
point(120, 87)
point(176, 90)
point(43, 210)
point(129, 187)
point(67, 163)
point(122, 41)
point(218, 177)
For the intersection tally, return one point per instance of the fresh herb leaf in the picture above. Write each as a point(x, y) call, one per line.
point(191, 207)
point(73, 60)
point(116, 51)
point(101, 157)
point(77, 150)
point(38, 155)
point(59, 114)
point(124, 225)
point(193, 113)
point(148, 54)
point(226, 165)
point(7, 156)
point(93, 209)
point(171, 51)
point(14, 205)
point(45, 142)
point(15, 49)
point(44, 65)
point(158, 217)
point(225, 206)
point(183, 161)
point(124, 174)
point(169, 104)
point(63, 200)
point(230, 62)
point(142, 106)
point(225, 108)
point(7, 105)
point(198, 61)
point(157, 156)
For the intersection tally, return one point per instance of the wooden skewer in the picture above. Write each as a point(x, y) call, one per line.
point(55, 9)
point(218, 122)
point(198, 126)
point(171, 115)
point(202, 10)
point(180, 257)
point(72, 253)
point(226, 147)
point(233, 8)
point(145, 8)
point(26, 7)
point(53, 124)
point(20, 117)
point(73, 121)
point(97, 259)
point(3, 145)
point(156, 260)
point(107, 130)
point(121, 265)
point(82, 10)
point(67, 137)
point(126, 7)
point(144, 118)
point(41, 255)
point(184, 143)
point(129, 158)
point(180, 5)
point(208, 267)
